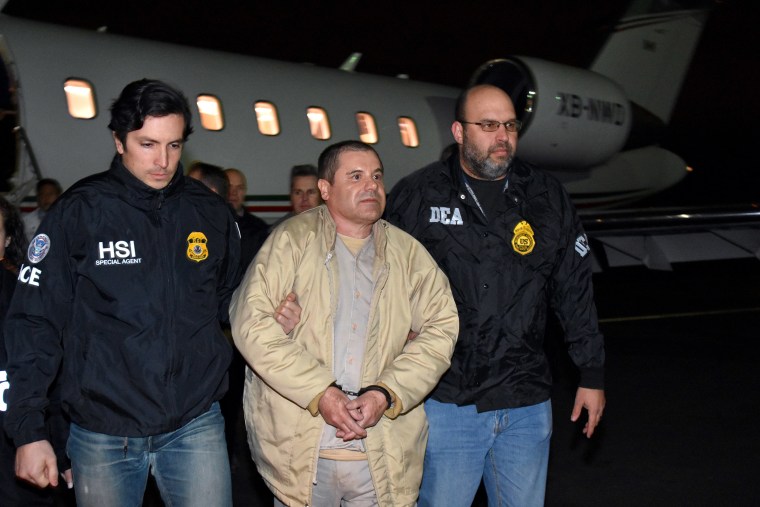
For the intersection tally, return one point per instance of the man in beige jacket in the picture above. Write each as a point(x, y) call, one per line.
point(333, 409)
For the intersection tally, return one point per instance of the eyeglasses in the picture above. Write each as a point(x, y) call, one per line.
point(493, 126)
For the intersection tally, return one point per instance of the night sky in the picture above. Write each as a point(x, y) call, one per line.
point(714, 125)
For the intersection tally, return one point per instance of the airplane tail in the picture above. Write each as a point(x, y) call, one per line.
point(649, 52)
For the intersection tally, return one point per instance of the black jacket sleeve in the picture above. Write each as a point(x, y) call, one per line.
point(33, 327)
point(231, 272)
point(572, 297)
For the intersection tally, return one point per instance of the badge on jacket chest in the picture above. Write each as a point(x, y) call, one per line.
point(196, 247)
point(523, 241)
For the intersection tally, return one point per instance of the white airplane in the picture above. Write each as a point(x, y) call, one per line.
point(589, 127)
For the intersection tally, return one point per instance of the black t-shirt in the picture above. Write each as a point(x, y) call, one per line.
point(490, 195)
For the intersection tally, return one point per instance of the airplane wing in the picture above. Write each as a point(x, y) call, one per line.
point(659, 237)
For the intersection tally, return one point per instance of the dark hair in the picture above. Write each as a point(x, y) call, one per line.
point(49, 181)
point(213, 177)
point(328, 159)
point(143, 98)
point(14, 229)
point(303, 170)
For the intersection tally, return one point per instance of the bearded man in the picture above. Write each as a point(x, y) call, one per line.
point(508, 238)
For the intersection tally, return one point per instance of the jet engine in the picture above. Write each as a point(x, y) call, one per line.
point(572, 118)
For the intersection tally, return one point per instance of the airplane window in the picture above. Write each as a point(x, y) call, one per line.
point(210, 111)
point(408, 131)
point(365, 122)
point(80, 98)
point(266, 116)
point(318, 122)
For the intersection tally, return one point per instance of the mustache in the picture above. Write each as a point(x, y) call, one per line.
point(501, 146)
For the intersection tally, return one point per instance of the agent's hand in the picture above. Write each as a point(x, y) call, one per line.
point(592, 400)
point(288, 313)
point(36, 463)
point(333, 408)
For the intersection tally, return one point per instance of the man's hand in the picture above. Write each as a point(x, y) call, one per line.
point(592, 400)
point(288, 313)
point(68, 476)
point(36, 463)
point(368, 408)
point(333, 408)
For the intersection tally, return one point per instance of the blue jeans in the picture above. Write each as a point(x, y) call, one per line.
point(508, 448)
point(190, 465)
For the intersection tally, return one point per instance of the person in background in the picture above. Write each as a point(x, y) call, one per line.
point(508, 237)
point(212, 176)
point(253, 229)
point(304, 194)
point(48, 190)
point(125, 285)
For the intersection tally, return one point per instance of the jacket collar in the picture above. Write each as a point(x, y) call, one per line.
point(331, 233)
point(517, 180)
point(139, 194)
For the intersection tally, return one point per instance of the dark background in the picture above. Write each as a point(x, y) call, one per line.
point(714, 124)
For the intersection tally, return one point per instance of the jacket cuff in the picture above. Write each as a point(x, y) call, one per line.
point(25, 428)
point(28, 437)
point(396, 406)
point(592, 378)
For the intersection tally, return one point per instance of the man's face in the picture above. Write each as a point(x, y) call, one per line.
point(486, 155)
point(356, 198)
point(304, 193)
point(47, 196)
point(238, 188)
point(152, 153)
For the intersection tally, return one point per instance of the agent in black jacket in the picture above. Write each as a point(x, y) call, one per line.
point(127, 281)
point(508, 238)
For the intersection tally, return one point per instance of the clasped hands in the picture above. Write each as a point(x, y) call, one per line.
point(350, 417)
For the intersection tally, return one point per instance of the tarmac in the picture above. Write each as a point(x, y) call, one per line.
point(681, 423)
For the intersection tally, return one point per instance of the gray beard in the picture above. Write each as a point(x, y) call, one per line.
point(486, 168)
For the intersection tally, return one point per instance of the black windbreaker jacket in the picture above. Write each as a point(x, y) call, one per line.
point(504, 273)
point(128, 284)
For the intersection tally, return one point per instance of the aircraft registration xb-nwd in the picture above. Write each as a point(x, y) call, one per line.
point(594, 129)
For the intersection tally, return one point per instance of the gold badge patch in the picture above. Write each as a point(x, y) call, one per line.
point(196, 247)
point(522, 241)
